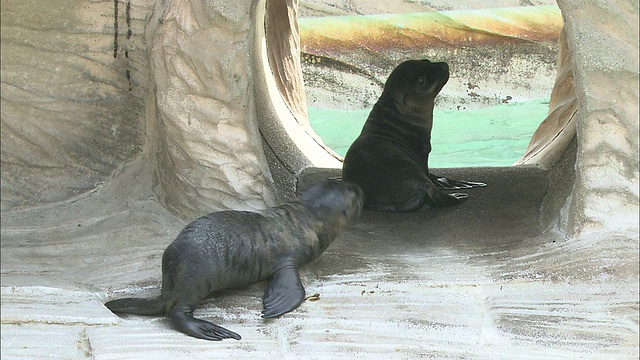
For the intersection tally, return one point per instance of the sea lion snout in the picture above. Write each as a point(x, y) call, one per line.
point(356, 202)
point(353, 197)
point(413, 86)
point(442, 64)
point(335, 196)
point(440, 71)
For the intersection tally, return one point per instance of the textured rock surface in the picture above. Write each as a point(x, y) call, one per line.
point(289, 142)
point(283, 46)
point(209, 153)
point(558, 129)
point(72, 96)
point(507, 284)
point(605, 65)
point(87, 88)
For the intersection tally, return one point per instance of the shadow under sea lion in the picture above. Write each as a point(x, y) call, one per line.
point(389, 159)
point(233, 249)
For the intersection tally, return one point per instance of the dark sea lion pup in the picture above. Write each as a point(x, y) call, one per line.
point(233, 249)
point(389, 159)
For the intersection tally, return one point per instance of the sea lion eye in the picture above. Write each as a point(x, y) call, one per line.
point(422, 81)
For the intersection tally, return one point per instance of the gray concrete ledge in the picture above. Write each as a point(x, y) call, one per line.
point(483, 280)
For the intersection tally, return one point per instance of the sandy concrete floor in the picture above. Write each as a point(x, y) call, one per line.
point(483, 280)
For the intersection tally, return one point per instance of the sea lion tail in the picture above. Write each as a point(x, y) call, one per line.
point(137, 306)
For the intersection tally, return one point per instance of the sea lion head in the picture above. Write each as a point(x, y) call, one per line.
point(412, 86)
point(334, 201)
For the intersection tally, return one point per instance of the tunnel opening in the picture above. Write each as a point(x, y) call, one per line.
point(343, 62)
point(502, 68)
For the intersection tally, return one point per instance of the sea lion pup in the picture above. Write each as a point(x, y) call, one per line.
point(233, 249)
point(389, 159)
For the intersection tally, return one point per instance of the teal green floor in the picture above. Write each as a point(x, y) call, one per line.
point(492, 136)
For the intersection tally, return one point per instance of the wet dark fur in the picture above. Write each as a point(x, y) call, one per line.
point(389, 159)
point(233, 249)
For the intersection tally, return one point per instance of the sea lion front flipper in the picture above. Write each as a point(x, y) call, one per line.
point(182, 318)
point(450, 184)
point(284, 292)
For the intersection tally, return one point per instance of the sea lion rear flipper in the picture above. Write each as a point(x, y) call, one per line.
point(450, 184)
point(437, 198)
point(182, 318)
point(284, 292)
point(137, 306)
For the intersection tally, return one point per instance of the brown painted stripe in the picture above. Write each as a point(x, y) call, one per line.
point(450, 29)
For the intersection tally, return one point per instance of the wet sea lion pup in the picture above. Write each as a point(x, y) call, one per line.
point(389, 159)
point(233, 249)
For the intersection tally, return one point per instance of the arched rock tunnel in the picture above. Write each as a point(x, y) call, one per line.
point(122, 120)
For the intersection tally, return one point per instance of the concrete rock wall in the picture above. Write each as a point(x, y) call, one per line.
point(558, 129)
point(603, 42)
point(89, 87)
point(73, 86)
point(209, 153)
